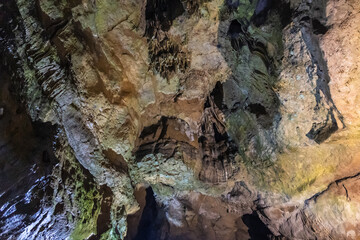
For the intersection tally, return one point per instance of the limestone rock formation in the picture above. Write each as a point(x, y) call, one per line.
point(179, 119)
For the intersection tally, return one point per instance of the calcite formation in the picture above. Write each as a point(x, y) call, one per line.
point(179, 119)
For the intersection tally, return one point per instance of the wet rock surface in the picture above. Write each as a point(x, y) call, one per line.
point(186, 119)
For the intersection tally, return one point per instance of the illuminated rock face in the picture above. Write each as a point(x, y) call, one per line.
point(179, 119)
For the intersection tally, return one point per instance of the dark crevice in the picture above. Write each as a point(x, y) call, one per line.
point(218, 136)
point(318, 27)
point(160, 14)
point(146, 229)
point(152, 223)
point(257, 109)
point(346, 193)
point(316, 195)
point(236, 28)
point(103, 222)
point(238, 34)
point(305, 19)
point(55, 28)
point(164, 125)
point(257, 229)
point(285, 12)
point(149, 130)
point(218, 94)
point(264, 7)
point(261, 12)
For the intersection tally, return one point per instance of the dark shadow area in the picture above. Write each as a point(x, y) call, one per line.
point(149, 223)
point(318, 27)
point(237, 33)
point(218, 95)
point(257, 109)
point(146, 228)
point(159, 14)
point(257, 229)
point(264, 6)
point(261, 11)
point(103, 222)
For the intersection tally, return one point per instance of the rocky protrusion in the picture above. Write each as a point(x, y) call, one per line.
point(217, 150)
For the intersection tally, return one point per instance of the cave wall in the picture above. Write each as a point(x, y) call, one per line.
point(205, 119)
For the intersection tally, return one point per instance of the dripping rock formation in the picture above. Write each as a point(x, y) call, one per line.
point(179, 119)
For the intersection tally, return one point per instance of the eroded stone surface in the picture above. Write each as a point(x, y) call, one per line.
point(207, 119)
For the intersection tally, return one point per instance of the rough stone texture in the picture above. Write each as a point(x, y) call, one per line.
point(179, 119)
